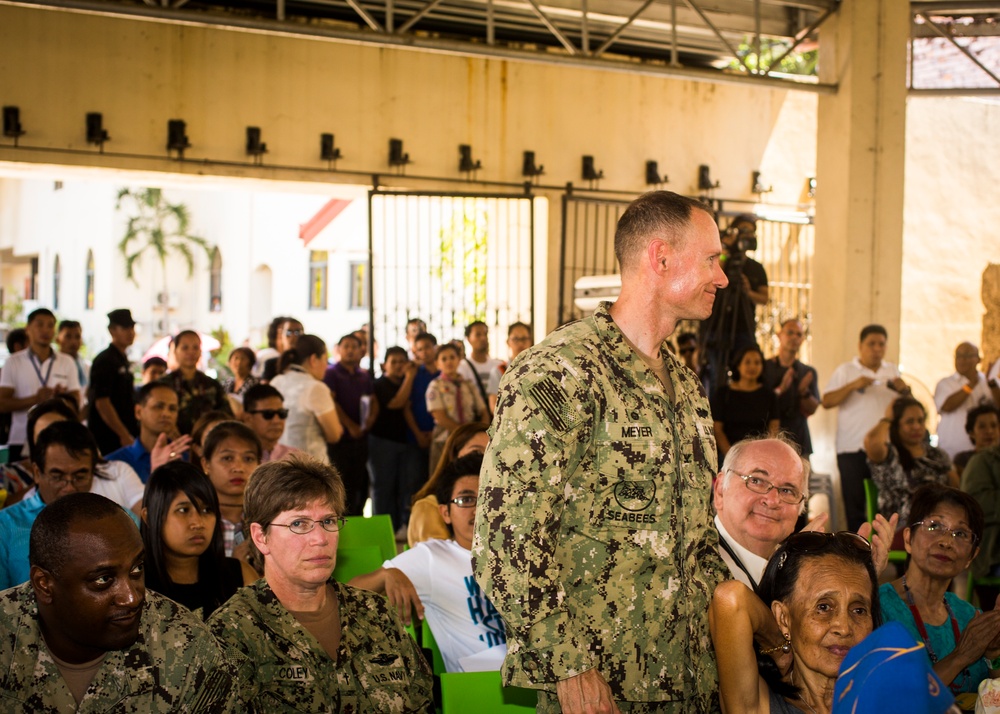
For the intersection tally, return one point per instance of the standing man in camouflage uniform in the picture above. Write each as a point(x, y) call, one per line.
point(594, 538)
point(83, 634)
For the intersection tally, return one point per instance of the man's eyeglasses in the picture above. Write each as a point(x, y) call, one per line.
point(465, 501)
point(75, 481)
point(269, 414)
point(786, 494)
point(293, 333)
point(936, 528)
point(301, 526)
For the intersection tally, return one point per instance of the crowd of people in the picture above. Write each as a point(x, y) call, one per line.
point(169, 546)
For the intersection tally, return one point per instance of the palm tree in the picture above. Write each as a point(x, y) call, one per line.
point(160, 227)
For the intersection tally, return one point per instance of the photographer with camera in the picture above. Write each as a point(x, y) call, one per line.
point(733, 323)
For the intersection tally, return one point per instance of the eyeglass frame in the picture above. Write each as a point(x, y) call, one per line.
point(745, 478)
point(298, 332)
point(73, 481)
point(812, 541)
point(973, 542)
point(475, 501)
point(281, 413)
point(340, 521)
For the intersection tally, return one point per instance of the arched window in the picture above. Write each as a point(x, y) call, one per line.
point(89, 300)
point(56, 279)
point(215, 283)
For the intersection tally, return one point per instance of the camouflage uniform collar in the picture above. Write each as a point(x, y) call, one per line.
point(284, 625)
point(634, 367)
point(132, 667)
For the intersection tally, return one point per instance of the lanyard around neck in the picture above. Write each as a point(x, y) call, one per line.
point(38, 367)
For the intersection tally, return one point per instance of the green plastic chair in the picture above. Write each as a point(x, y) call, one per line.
point(483, 693)
point(356, 561)
point(871, 508)
point(428, 642)
point(359, 532)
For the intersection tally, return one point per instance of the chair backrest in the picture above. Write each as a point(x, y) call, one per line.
point(428, 642)
point(356, 561)
point(483, 693)
point(377, 530)
point(871, 500)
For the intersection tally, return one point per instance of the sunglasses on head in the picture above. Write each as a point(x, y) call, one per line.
point(813, 541)
point(269, 414)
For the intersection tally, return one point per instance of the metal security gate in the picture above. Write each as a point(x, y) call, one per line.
point(449, 259)
point(785, 242)
point(587, 246)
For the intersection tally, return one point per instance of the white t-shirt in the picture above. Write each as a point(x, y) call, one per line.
point(26, 375)
point(122, 484)
point(483, 369)
point(857, 414)
point(306, 398)
point(463, 621)
point(951, 427)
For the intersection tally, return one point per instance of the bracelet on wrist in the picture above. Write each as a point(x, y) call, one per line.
point(967, 389)
point(993, 664)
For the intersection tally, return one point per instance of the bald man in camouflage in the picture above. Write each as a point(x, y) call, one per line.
point(594, 537)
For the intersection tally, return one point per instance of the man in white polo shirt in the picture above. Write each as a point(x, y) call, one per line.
point(955, 395)
point(34, 375)
point(861, 390)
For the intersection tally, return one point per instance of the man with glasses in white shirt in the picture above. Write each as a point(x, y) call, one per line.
point(759, 494)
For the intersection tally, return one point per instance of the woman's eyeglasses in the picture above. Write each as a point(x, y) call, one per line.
point(935, 528)
point(301, 526)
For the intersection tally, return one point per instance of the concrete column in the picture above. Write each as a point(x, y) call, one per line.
point(860, 157)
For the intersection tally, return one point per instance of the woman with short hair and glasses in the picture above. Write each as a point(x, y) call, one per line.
point(818, 597)
point(299, 640)
point(435, 577)
point(942, 535)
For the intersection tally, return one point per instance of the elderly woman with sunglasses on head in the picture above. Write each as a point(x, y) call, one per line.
point(818, 597)
point(944, 529)
point(299, 640)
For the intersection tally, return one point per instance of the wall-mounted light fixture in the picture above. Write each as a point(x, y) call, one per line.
point(465, 162)
point(255, 147)
point(327, 150)
point(528, 167)
point(653, 177)
point(96, 133)
point(12, 123)
point(705, 178)
point(396, 155)
point(589, 172)
point(177, 139)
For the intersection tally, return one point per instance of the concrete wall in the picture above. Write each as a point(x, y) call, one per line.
point(951, 227)
point(58, 66)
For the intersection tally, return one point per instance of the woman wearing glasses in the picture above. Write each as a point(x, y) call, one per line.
point(435, 577)
point(942, 534)
point(300, 641)
point(818, 597)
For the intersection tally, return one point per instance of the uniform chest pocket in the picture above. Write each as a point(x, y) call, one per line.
point(630, 491)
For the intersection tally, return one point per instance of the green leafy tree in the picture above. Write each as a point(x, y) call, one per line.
point(801, 63)
point(159, 227)
point(463, 248)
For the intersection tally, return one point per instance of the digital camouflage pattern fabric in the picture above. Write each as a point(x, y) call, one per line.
point(595, 538)
point(175, 665)
point(281, 667)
